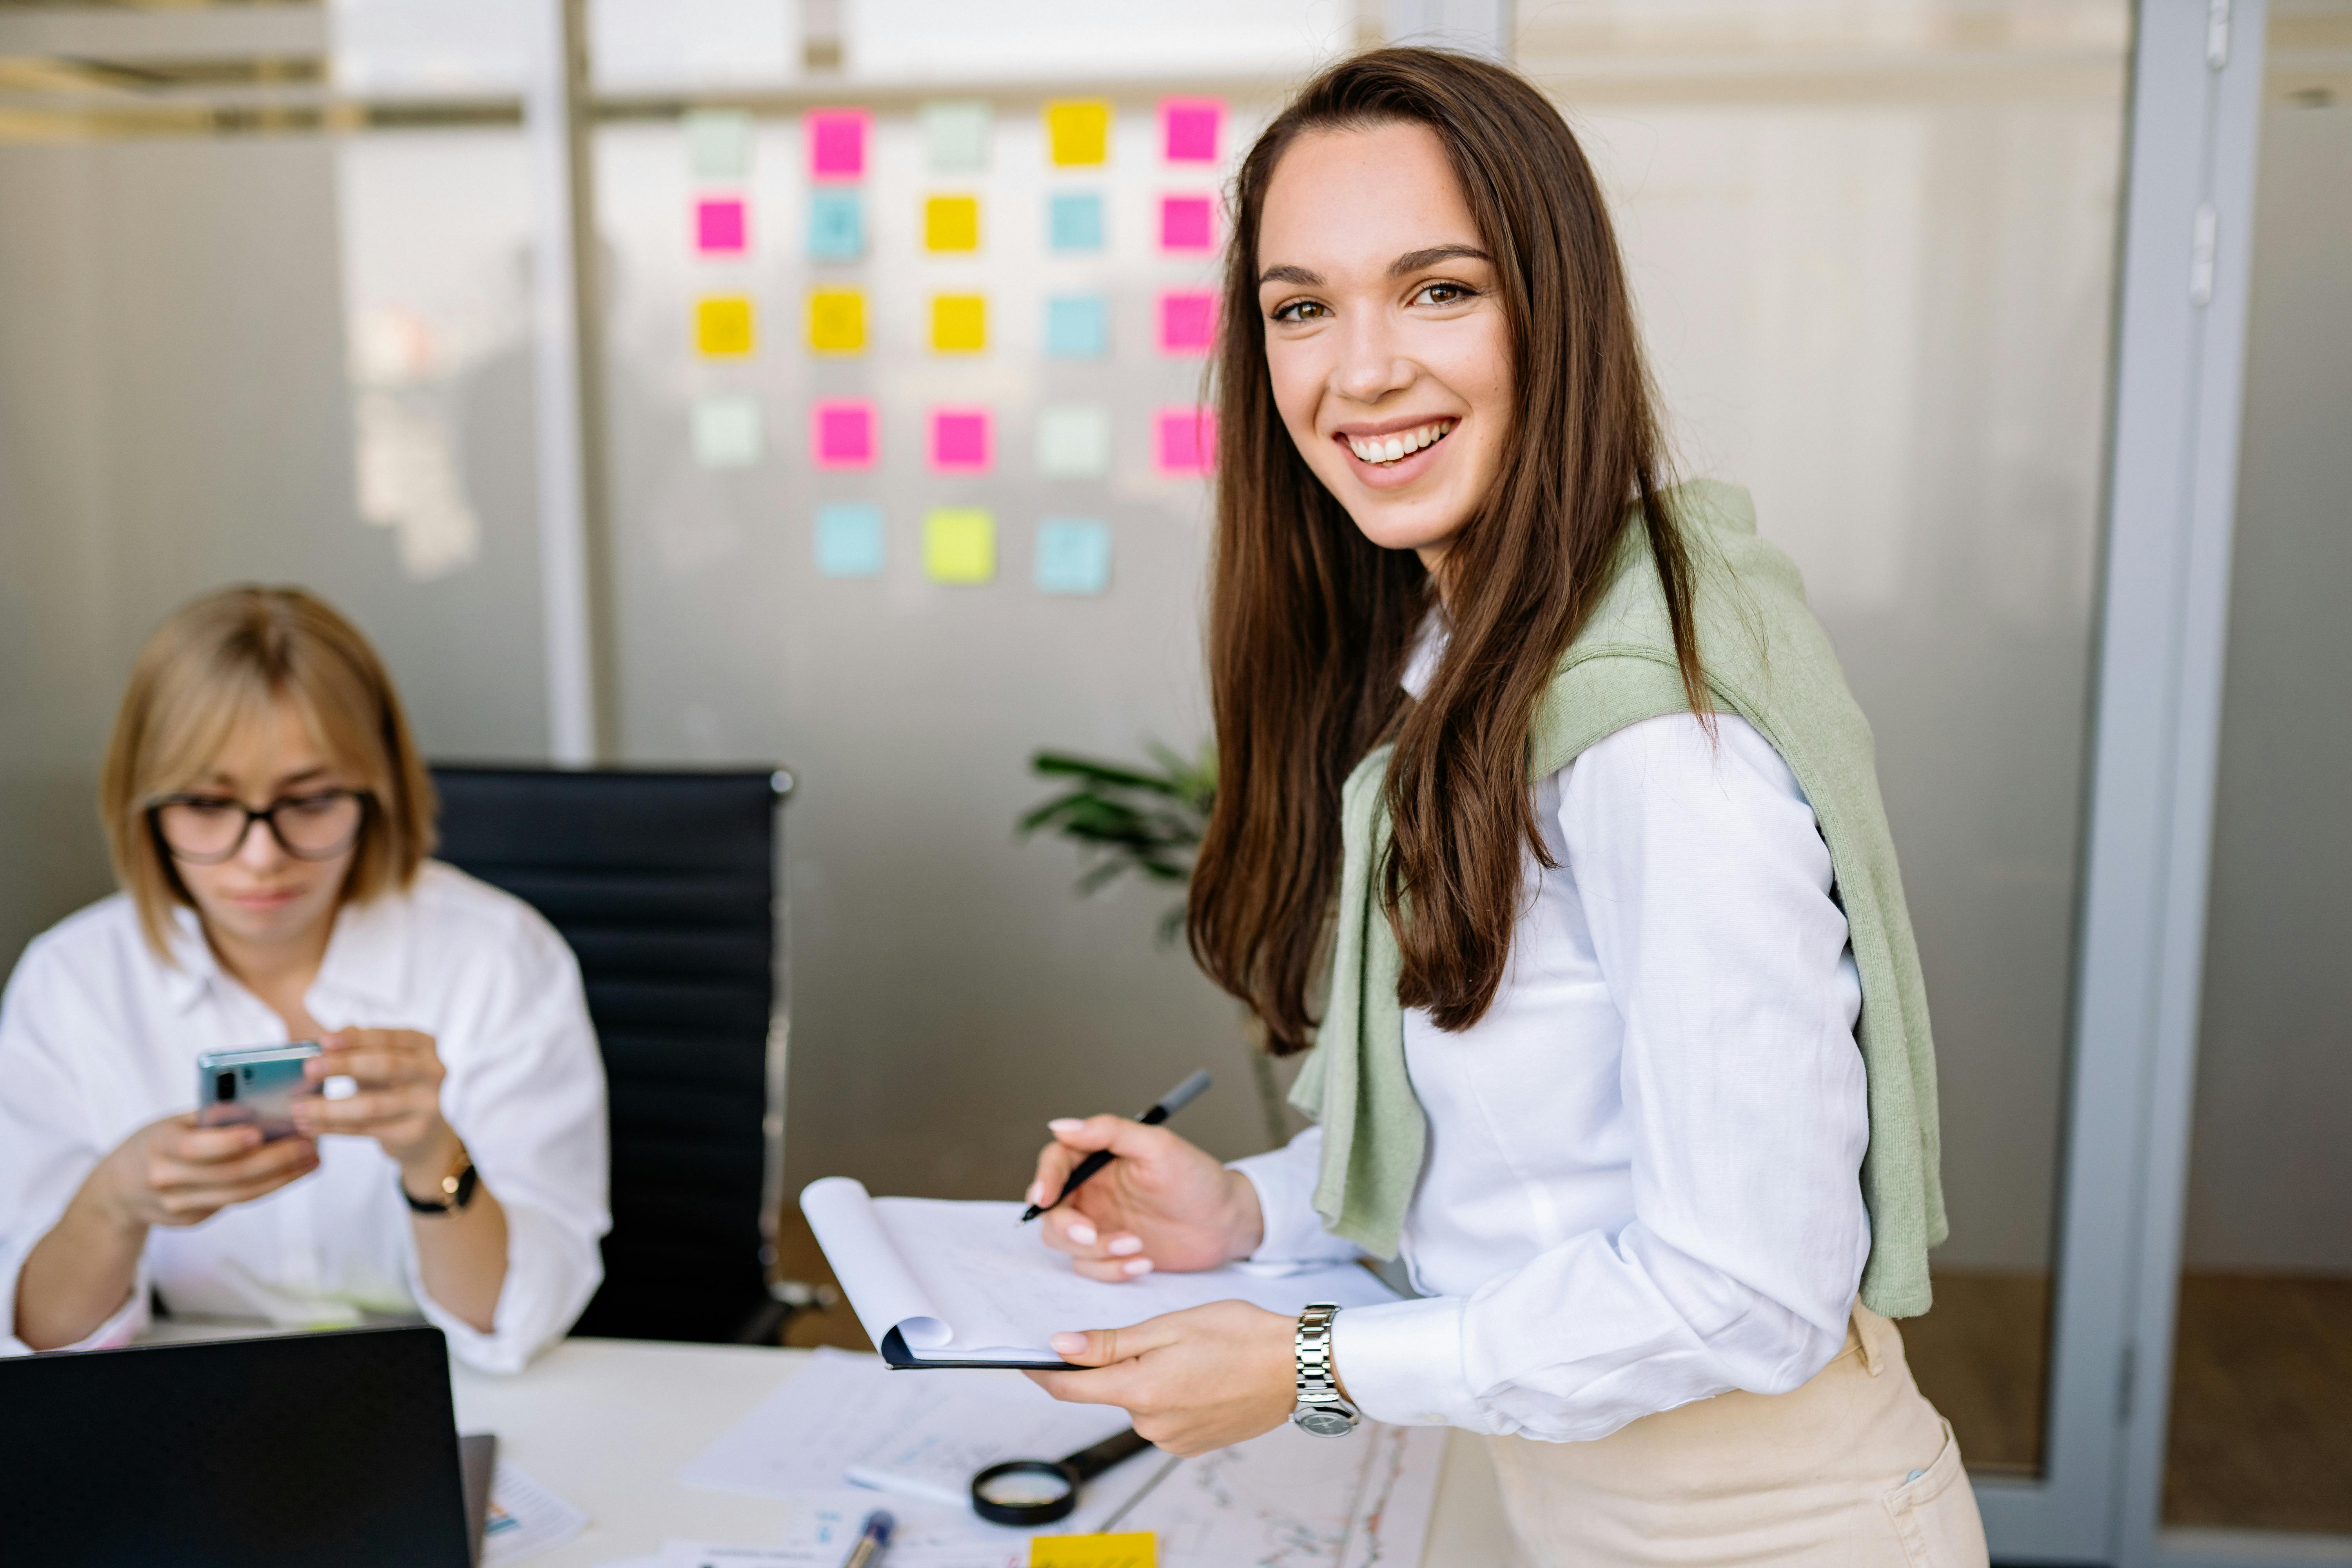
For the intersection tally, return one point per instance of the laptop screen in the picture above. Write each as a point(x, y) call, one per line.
point(315, 1450)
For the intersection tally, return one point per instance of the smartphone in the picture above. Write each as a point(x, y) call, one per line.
point(256, 1084)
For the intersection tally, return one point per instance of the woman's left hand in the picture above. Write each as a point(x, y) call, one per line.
point(397, 1102)
point(1192, 1381)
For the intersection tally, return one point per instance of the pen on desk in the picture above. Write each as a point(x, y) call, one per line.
point(1174, 1101)
point(872, 1540)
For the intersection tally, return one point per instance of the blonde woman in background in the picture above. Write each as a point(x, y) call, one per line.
point(270, 821)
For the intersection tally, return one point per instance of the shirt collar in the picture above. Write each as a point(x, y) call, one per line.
point(366, 962)
point(1429, 642)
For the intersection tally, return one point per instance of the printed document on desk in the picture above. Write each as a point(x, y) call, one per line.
point(965, 1284)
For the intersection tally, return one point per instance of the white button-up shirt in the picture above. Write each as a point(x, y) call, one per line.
point(99, 1037)
point(1643, 1178)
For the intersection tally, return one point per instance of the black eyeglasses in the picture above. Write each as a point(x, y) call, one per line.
point(206, 829)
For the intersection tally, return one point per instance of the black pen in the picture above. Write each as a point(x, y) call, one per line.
point(1174, 1101)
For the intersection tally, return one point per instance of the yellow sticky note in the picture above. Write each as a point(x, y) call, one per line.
point(960, 545)
point(836, 320)
point(1136, 1548)
point(959, 323)
point(951, 222)
point(722, 324)
point(1078, 132)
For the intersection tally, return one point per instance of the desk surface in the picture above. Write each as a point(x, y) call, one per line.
point(609, 1424)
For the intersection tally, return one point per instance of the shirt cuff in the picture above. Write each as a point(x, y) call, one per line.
point(546, 1285)
point(1293, 1232)
point(1402, 1363)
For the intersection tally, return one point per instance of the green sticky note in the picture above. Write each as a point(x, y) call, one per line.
point(960, 545)
point(727, 432)
point(1073, 556)
point(718, 143)
point(1074, 441)
point(955, 134)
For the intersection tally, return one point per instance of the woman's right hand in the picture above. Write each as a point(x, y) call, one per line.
point(177, 1172)
point(1161, 1202)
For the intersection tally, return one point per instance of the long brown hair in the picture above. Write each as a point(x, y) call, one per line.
point(1310, 623)
point(227, 659)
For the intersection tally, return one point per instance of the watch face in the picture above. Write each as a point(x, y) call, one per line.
point(1324, 1423)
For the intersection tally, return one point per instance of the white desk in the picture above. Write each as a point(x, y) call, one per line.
point(609, 1423)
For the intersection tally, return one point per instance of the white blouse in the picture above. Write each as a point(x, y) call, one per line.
point(1642, 1179)
point(99, 1037)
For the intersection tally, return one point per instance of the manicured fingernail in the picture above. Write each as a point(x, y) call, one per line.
point(1082, 1233)
point(1068, 1344)
point(1037, 1193)
point(1139, 1265)
point(1062, 1124)
point(1125, 1245)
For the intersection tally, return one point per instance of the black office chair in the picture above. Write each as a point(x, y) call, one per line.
point(665, 885)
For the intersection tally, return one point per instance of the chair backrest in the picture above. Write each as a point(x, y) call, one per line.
point(665, 885)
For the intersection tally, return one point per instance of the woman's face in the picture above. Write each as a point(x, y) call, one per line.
point(1384, 336)
point(261, 895)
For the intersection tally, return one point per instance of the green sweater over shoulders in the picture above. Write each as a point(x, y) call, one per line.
point(1766, 661)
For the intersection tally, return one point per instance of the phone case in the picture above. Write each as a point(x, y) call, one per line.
point(256, 1084)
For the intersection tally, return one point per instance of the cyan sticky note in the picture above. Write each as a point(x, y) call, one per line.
point(1078, 326)
point(1073, 556)
point(1188, 223)
point(961, 440)
point(1188, 321)
point(960, 545)
point(836, 143)
point(955, 134)
point(1077, 132)
point(836, 230)
point(727, 432)
point(1074, 220)
point(722, 325)
point(1074, 441)
point(1188, 129)
point(717, 143)
point(719, 227)
point(842, 434)
point(849, 540)
point(1185, 440)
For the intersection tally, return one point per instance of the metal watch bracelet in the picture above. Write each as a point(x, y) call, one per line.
point(1322, 1411)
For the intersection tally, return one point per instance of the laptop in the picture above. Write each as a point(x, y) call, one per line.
point(314, 1450)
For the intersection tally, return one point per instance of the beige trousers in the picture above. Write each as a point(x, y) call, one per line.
point(1855, 1469)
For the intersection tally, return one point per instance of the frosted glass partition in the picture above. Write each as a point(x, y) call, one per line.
point(950, 991)
point(1874, 249)
point(283, 358)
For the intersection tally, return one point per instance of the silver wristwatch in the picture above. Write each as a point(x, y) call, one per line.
point(1321, 1410)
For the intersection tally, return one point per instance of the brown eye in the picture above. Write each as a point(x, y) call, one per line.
point(1300, 311)
point(1445, 294)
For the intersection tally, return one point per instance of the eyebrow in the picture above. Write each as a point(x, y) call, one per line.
point(1412, 261)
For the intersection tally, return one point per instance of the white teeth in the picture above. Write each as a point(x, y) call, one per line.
point(1393, 448)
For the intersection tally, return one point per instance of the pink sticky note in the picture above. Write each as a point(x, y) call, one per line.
point(1188, 129)
point(836, 143)
point(1187, 223)
point(719, 224)
point(840, 435)
point(1187, 440)
point(961, 440)
point(1188, 321)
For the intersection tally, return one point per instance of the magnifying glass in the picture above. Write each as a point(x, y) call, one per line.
point(1039, 1491)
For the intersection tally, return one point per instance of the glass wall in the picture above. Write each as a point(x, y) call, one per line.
point(1874, 250)
point(2263, 1354)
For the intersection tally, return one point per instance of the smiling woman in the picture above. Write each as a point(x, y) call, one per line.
point(270, 820)
point(1539, 777)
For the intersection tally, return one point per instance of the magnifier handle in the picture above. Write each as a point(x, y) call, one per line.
point(1090, 1462)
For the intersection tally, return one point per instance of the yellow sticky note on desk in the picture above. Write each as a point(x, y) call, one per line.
point(959, 323)
point(1077, 132)
point(959, 546)
point(1138, 1549)
point(951, 222)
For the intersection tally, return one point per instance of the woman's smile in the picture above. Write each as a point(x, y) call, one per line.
point(1393, 454)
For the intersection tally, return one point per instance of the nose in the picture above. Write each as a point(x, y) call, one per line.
point(1370, 366)
point(260, 850)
